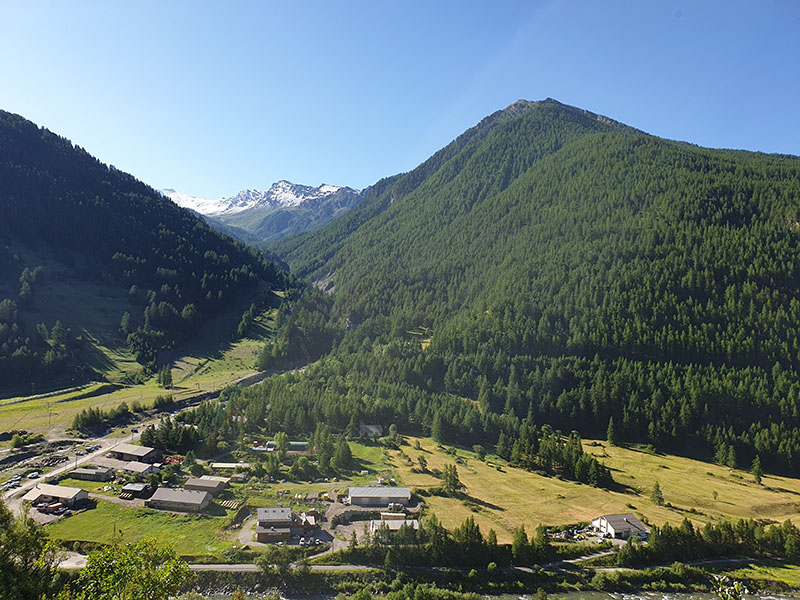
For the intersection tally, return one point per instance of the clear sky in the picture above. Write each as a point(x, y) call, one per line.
point(213, 97)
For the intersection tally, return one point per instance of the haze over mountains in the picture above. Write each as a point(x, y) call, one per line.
point(284, 209)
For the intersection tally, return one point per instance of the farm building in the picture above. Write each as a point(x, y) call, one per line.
point(92, 474)
point(44, 492)
point(620, 526)
point(180, 500)
point(279, 524)
point(274, 524)
point(378, 496)
point(212, 486)
point(135, 453)
point(139, 469)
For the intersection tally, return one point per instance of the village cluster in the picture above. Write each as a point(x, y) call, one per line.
point(128, 465)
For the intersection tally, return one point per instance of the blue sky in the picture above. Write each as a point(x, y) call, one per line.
point(214, 97)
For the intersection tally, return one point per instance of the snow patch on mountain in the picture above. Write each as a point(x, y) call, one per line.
point(201, 205)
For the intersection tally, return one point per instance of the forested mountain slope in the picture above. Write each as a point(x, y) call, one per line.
point(573, 271)
point(160, 270)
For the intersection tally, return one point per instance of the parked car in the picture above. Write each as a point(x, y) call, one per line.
point(34, 475)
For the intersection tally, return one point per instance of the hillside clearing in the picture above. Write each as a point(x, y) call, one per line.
point(503, 497)
point(203, 365)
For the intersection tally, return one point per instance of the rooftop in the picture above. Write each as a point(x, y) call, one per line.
point(136, 467)
point(137, 488)
point(131, 449)
point(210, 484)
point(181, 496)
point(91, 470)
point(216, 478)
point(281, 530)
point(278, 513)
point(625, 520)
point(381, 492)
point(56, 491)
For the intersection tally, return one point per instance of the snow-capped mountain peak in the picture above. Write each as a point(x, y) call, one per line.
point(280, 194)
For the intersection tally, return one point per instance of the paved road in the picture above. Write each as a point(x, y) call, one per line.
point(240, 568)
point(73, 561)
point(250, 568)
point(560, 564)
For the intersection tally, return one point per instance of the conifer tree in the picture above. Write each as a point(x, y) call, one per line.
point(657, 495)
point(611, 432)
point(756, 471)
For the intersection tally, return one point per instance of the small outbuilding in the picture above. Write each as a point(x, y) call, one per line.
point(621, 526)
point(179, 500)
point(135, 490)
point(392, 525)
point(378, 496)
point(92, 474)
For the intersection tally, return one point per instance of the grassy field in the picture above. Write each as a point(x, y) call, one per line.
point(370, 458)
point(783, 572)
point(89, 486)
point(207, 364)
point(505, 497)
point(190, 535)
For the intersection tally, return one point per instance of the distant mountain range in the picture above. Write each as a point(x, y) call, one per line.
point(284, 209)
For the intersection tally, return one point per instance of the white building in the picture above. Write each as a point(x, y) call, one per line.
point(620, 526)
point(44, 492)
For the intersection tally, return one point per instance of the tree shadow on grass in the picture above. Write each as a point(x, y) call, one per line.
point(215, 510)
point(477, 501)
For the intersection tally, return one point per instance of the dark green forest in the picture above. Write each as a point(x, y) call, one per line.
point(105, 225)
point(569, 270)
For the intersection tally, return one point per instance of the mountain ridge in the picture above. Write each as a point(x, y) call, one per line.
point(565, 268)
